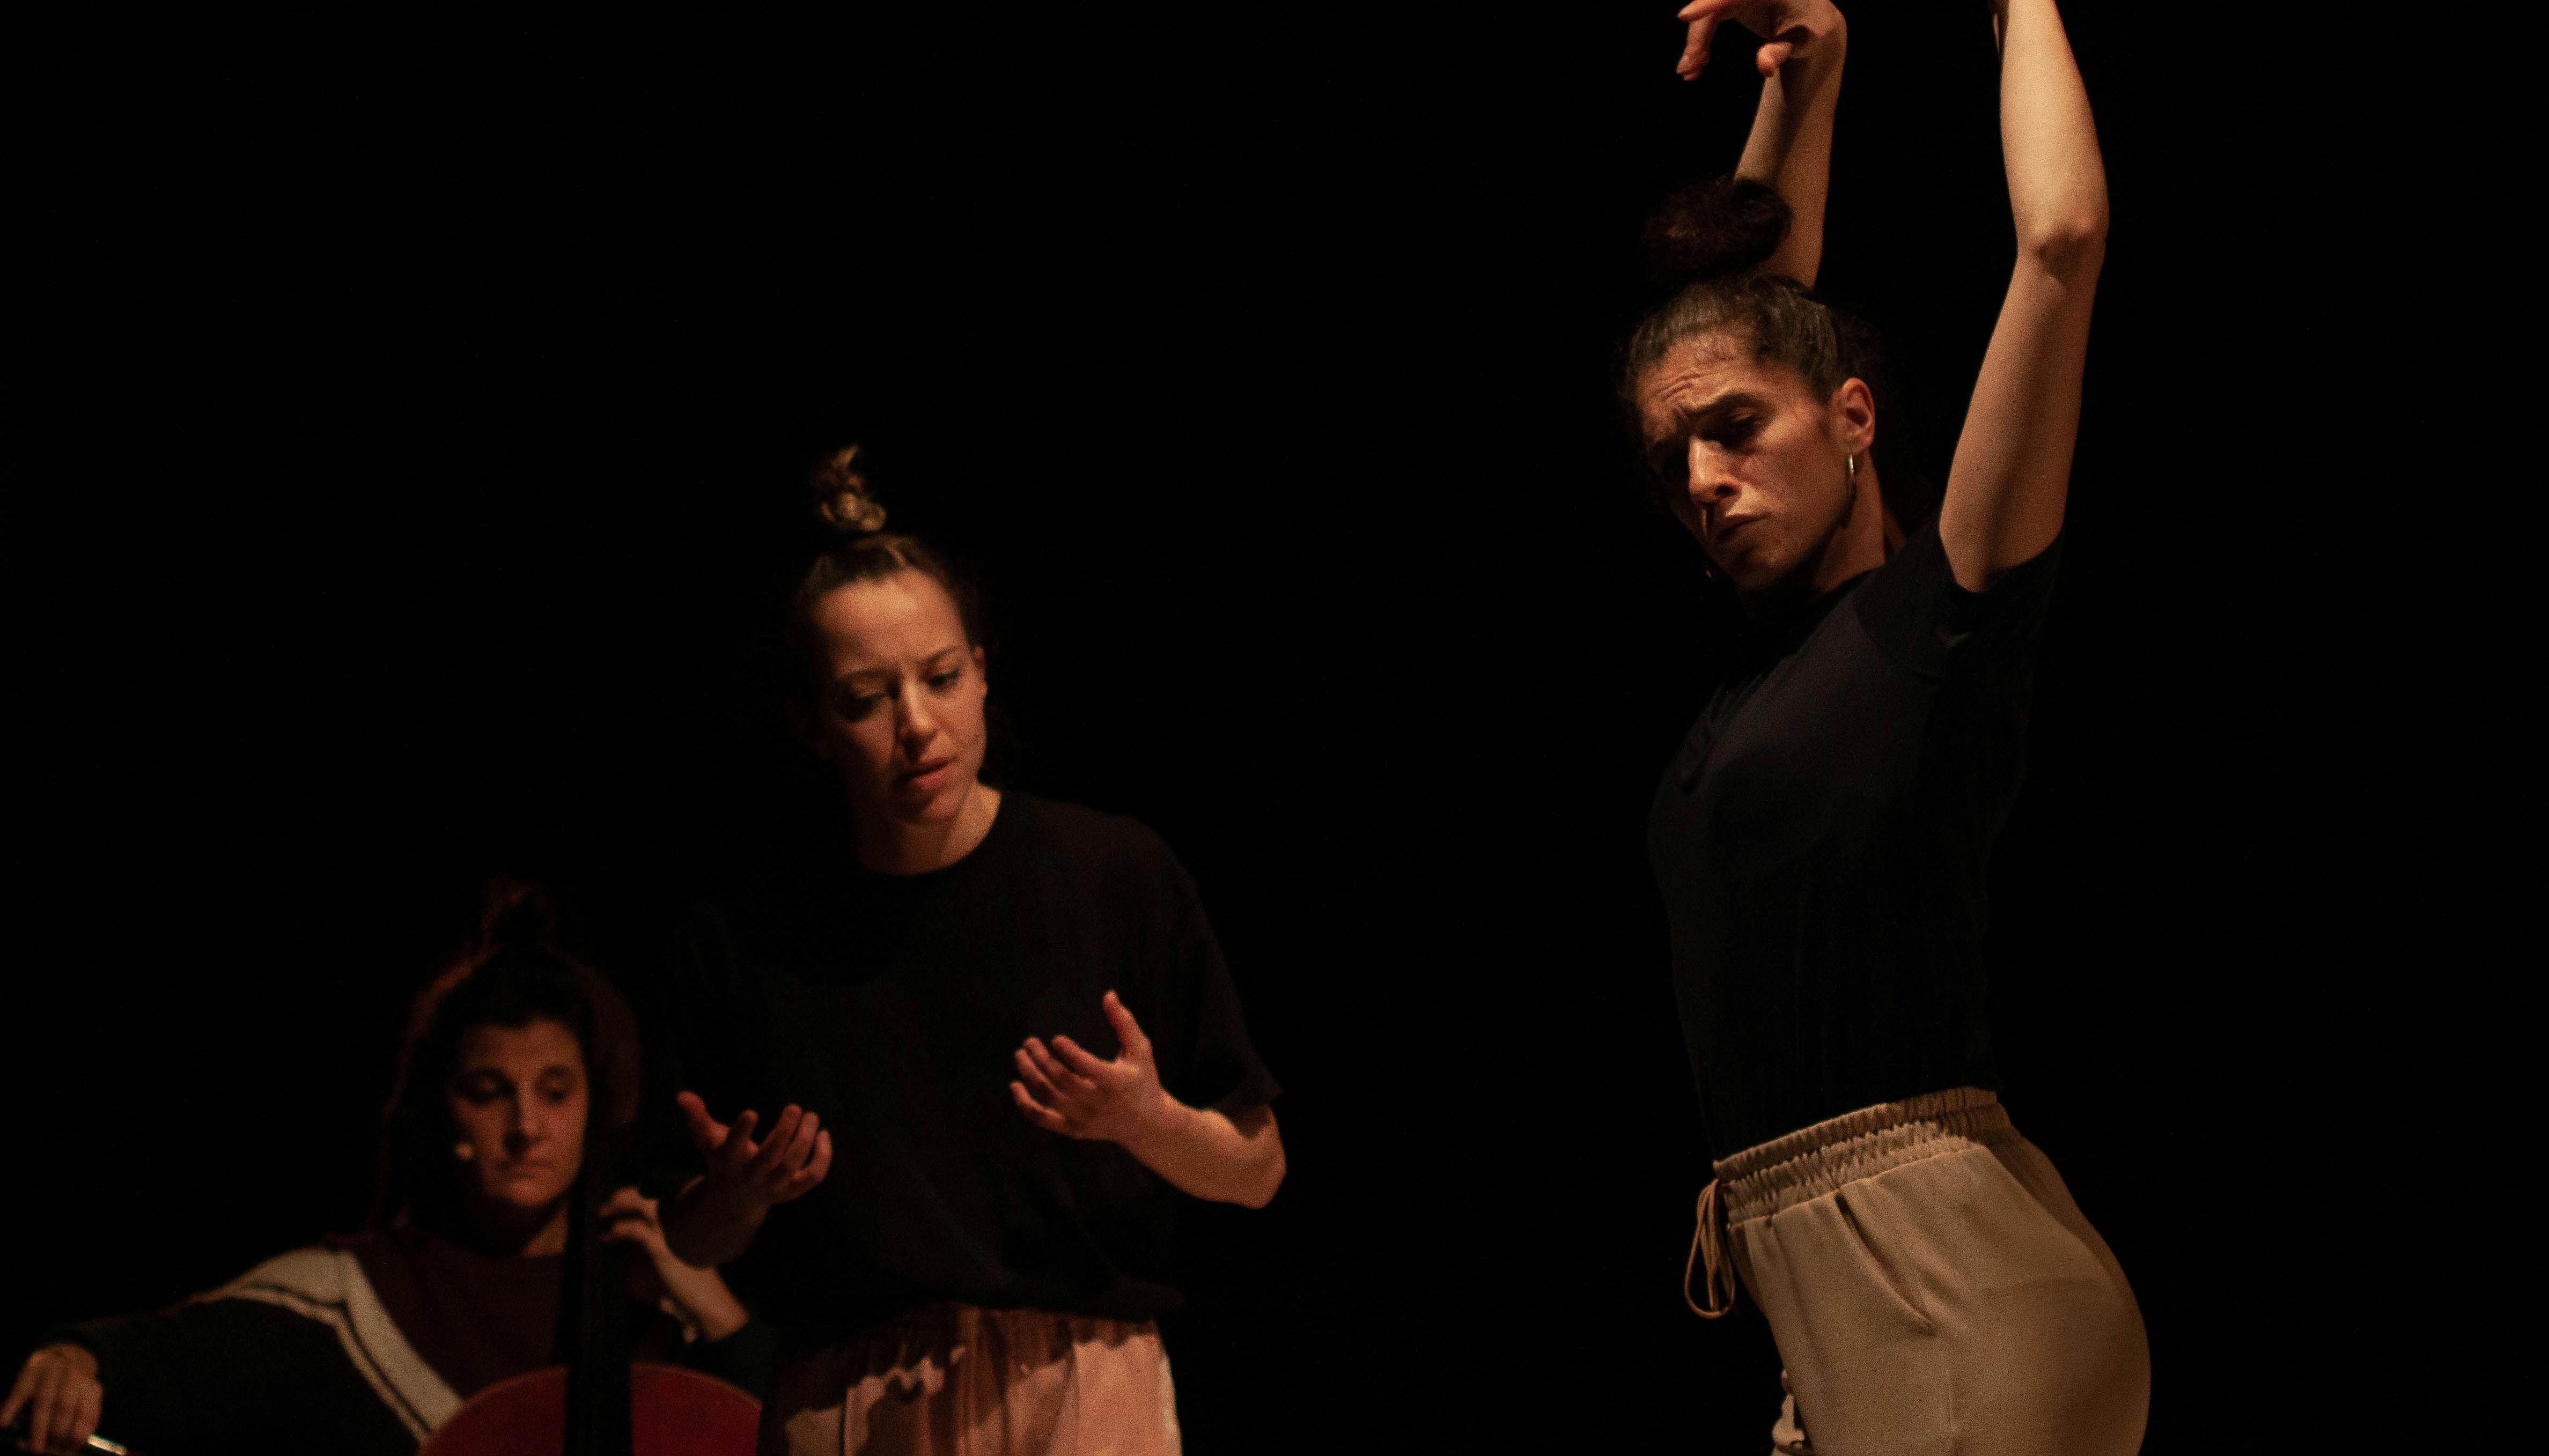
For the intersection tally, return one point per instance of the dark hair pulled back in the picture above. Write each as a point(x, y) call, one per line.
point(1705, 246)
point(1708, 241)
point(863, 550)
point(511, 974)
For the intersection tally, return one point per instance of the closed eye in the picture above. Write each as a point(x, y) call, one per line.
point(1733, 430)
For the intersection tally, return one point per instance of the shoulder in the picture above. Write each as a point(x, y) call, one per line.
point(1103, 849)
point(1089, 835)
point(1914, 609)
point(324, 1274)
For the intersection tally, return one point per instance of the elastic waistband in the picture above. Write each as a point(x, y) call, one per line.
point(947, 1324)
point(1813, 1162)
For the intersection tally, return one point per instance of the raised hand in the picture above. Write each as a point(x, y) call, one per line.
point(1789, 28)
point(782, 1166)
point(57, 1390)
point(1066, 1090)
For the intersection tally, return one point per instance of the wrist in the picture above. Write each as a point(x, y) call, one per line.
point(705, 1301)
point(1162, 1124)
point(1826, 36)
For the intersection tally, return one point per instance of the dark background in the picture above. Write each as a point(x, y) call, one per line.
point(413, 472)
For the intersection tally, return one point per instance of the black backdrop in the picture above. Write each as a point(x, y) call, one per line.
point(415, 471)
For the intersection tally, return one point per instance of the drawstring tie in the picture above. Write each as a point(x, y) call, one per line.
point(1708, 1251)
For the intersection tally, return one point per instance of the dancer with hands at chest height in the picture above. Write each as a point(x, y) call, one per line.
point(1014, 1021)
point(1822, 839)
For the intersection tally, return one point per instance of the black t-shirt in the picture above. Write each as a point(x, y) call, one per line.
point(890, 1005)
point(1822, 838)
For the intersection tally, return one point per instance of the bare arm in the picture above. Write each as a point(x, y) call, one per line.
point(1229, 1159)
point(1790, 148)
point(2013, 467)
point(633, 1218)
point(1235, 1158)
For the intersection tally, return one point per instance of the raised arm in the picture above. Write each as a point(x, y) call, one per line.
point(1790, 148)
point(2013, 467)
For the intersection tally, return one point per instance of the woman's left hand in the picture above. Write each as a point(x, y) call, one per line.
point(1068, 1091)
point(631, 1218)
point(1791, 28)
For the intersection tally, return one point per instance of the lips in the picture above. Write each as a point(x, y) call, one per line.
point(1725, 530)
point(926, 775)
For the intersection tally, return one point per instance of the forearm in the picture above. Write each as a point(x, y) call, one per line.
point(1790, 146)
point(2057, 182)
point(704, 1300)
point(704, 1231)
point(1213, 1155)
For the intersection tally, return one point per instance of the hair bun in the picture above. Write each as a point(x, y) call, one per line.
point(516, 916)
point(1710, 230)
point(842, 497)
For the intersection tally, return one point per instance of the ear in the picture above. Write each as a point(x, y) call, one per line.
point(1853, 414)
point(982, 667)
point(801, 726)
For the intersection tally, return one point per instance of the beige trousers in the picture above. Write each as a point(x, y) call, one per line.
point(954, 1380)
point(1932, 1287)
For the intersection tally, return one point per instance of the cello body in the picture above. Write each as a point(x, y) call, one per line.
point(673, 1412)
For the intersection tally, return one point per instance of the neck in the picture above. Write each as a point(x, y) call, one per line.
point(892, 845)
point(522, 1232)
point(1857, 544)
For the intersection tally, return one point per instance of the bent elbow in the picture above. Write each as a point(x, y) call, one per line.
point(2071, 244)
point(1263, 1193)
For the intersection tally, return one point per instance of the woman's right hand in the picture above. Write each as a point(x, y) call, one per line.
point(1791, 30)
point(57, 1390)
point(758, 1176)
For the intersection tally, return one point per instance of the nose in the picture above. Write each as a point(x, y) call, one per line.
point(1709, 482)
point(915, 722)
point(527, 1125)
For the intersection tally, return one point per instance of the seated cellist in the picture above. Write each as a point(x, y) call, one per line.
point(366, 1344)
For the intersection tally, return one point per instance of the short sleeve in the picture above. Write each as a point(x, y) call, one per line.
point(1218, 1066)
point(1917, 614)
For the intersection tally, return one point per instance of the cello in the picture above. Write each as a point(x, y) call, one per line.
point(597, 1400)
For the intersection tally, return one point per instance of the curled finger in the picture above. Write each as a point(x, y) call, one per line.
point(1036, 1112)
point(19, 1392)
point(41, 1429)
point(1081, 1062)
point(1694, 49)
point(737, 1149)
point(91, 1406)
point(1036, 1080)
point(705, 1131)
point(802, 1147)
point(1064, 1081)
point(773, 1151)
point(816, 1167)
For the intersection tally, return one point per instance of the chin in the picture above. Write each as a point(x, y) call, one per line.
point(938, 808)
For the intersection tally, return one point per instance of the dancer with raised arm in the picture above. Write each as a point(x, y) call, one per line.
point(1011, 1014)
point(1823, 837)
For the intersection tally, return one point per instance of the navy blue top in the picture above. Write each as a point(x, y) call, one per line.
point(1823, 841)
